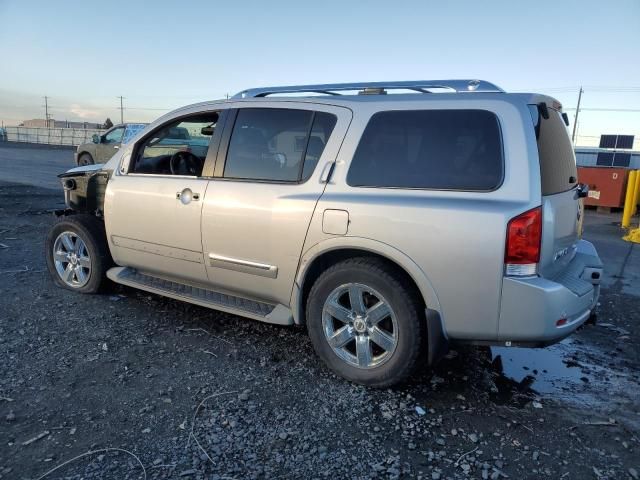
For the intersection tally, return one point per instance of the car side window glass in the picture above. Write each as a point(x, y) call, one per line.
point(274, 144)
point(323, 125)
point(114, 136)
point(177, 148)
point(431, 149)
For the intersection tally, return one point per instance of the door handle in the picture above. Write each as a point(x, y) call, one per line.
point(186, 196)
point(325, 176)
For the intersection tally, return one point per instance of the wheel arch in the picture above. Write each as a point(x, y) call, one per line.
point(84, 151)
point(328, 252)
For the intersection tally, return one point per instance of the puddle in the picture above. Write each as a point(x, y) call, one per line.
point(544, 370)
point(568, 371)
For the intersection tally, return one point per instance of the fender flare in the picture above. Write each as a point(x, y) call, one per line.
point(367, 245)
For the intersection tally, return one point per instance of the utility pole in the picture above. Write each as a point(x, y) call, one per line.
point(46, 110)
point(575, 122)
point(121, 109)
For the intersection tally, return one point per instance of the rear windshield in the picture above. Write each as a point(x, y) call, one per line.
point(558, 170)
point(430, 149)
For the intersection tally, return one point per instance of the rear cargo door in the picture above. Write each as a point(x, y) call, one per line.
point(561, 206)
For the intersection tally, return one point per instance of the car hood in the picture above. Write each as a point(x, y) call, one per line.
point(85, 169)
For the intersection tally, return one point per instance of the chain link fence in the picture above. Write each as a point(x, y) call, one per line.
point(49, 136)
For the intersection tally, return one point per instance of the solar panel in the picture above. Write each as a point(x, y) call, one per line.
point(625, 141)
point(616, 141)
point(608, 141)
point(621, 159)
point(605, 159)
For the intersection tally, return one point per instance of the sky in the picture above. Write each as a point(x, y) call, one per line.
point(161, 55)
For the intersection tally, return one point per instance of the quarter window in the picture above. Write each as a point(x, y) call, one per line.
point(273, 144)
point(432, 149)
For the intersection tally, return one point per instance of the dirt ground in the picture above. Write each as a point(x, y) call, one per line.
point(123, 374)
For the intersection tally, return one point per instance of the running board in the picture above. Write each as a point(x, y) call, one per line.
point(265, 312)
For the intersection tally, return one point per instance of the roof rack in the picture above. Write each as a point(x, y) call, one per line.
point(421, 86)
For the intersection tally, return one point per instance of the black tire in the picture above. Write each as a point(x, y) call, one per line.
point(404, 301)
point(85, 159)
point(91, 230)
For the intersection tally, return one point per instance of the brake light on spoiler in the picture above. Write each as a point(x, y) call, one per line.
point(522, 248)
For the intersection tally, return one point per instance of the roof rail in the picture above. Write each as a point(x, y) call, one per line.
point(421, 86)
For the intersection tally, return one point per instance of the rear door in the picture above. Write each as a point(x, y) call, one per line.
point(561, 206)
point(267, 183)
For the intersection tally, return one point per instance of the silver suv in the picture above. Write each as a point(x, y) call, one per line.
point(389, 224)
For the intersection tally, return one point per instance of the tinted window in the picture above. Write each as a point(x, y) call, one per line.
point(438, 149)
point(558, 171)
point(322, 127)
point(177, 148)
point(276, 144)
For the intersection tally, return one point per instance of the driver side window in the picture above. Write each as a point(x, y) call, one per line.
point(114, 136)
point(176, 148)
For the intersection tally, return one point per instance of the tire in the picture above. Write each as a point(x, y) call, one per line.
point(85, 159)
point(80, 267)
point(379, 285)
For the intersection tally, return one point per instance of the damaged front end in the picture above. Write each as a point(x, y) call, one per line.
point(84, 189)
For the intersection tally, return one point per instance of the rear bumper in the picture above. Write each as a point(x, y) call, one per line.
point(531, 307)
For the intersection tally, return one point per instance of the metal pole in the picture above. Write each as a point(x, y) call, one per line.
point(629, 197)
point(121, 109)
point(46, 111)
point(46, 117)
point(575, 122)
point(636, 198)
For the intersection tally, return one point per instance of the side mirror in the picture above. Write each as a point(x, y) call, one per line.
point(583, 190)
point(95, 138)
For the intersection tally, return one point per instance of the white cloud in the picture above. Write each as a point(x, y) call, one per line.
point(83, 112)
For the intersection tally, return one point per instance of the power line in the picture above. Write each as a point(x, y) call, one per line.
point(146, 108)
point(635, 110)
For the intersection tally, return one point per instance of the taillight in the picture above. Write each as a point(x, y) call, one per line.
point(522, 251)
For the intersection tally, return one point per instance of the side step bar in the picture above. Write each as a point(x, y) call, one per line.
point(265, 312)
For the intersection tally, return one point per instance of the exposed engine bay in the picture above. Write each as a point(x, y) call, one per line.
point(84, 189)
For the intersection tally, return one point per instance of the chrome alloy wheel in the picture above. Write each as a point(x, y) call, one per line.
point(359, 325)
point(71, 259)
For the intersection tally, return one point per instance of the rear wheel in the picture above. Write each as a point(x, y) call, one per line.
point(77, 253)
point(85, 159)
point(366, 323)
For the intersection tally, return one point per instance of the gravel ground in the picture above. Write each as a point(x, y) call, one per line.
point(187, 392)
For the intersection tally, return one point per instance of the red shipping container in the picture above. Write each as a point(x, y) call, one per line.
point(607, 185)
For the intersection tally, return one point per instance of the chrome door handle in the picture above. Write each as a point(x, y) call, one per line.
point(325, 176)
point(186, 196)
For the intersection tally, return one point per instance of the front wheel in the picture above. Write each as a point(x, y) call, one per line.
point(366, 323)
point(77, 253)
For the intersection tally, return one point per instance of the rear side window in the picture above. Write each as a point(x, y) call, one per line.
point(558, 171)
point(433, 149)
point(281, 145)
